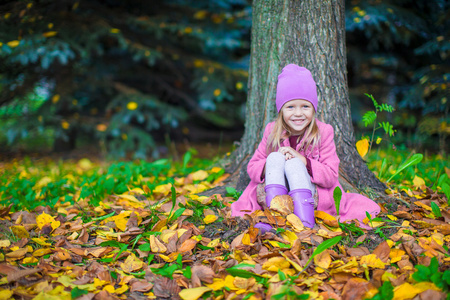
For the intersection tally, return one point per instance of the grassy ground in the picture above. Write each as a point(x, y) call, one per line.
point(85, 228)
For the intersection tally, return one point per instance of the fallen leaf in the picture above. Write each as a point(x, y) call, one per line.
point(131, 264)
point(194, 293)
point(156, 246)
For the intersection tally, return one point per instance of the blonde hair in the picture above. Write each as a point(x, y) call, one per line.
point(281, 131)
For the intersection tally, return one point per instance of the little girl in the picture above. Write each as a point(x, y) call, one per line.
point(297, 156)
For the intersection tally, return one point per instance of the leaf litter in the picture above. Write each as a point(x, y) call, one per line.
point(171, 242)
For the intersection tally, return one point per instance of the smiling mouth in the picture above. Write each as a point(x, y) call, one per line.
point(298, 122)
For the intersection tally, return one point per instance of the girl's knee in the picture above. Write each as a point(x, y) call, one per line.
point(295, 165)
point(276, 158)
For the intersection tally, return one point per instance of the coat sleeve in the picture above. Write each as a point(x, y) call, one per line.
point(256, 164)
point(325, 170)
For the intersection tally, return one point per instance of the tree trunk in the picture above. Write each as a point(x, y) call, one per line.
point(312, 34)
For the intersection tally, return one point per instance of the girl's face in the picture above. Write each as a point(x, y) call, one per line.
point(298, 114)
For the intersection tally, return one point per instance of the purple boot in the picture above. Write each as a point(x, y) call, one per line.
point(303, 206)
point(272, 190)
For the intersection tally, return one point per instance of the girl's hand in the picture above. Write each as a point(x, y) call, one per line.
point(290, 153)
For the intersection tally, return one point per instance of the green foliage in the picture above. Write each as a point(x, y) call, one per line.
point(322, 247)
point(122, 72)
point(231, 192)
point(370, 117)
point(385, 292)
point(28, 184)
point(412, 161)
point(168, 269)
point(337, 196)
point(435, 209)
point(76, 292)
point(432, 274)
point(398, 50)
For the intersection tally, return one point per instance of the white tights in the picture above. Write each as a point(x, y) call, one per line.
point(291, 173)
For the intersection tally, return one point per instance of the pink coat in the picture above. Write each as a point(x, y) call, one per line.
point(325, 173)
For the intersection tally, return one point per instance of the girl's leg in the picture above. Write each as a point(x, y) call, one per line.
point(275, 183)
point(297, 176)
point(275, 168)
point(301, 191)
point(275, 179)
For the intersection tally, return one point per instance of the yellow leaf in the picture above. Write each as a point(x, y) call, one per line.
point(379, 140)
point(13, 44)
point(44, 219)
point(372, 261)
point(121, 221)
point(323, 260)
point(246, 239)
point(20, 232)
point(29, 260)
point(363, 147)
point(17, 253)
point(214, 243)
point(132, 105)
point(218, 284)
point(5, 243)
point(132, 263)
point(295, 222)
point(122, 289)
point(162, 189)
point(392, 218)
point(396, 255)
point(209, 219)
point(166, 234)
point(194, 293)
point(6, 294)
point(42, 182)
point(199, 175)
point(408, 291)
point(293, 263)
point(276, 263)
point(156, 245)
point(289, 236)
point(170, 258)
point(115, 30)
point(200, 15)
point(42, 252)
point(49, 33)
point(109, 288)
point(418, 182)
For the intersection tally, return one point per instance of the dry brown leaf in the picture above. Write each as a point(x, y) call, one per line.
point(14, 276)
point(201, 273)
point(282, 204)
point(166, 288)
point(382, 251)
point(355, 288)
point(141, 286)
point(188, 245)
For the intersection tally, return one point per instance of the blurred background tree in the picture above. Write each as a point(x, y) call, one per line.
point(126, 73)
point(137, 74)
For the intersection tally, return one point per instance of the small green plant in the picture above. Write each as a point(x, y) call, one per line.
point(371, 116)
point(385, 292)
point(168, 270)
point(285, 291)
point(231, 192)
point(337, 196)
point(432, 274)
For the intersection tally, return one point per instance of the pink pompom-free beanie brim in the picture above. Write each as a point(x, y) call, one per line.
point(295, 82)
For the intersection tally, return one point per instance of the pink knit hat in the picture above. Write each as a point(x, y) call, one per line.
point(295, 82)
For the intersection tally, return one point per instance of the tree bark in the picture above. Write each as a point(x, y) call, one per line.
point(308, 33)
